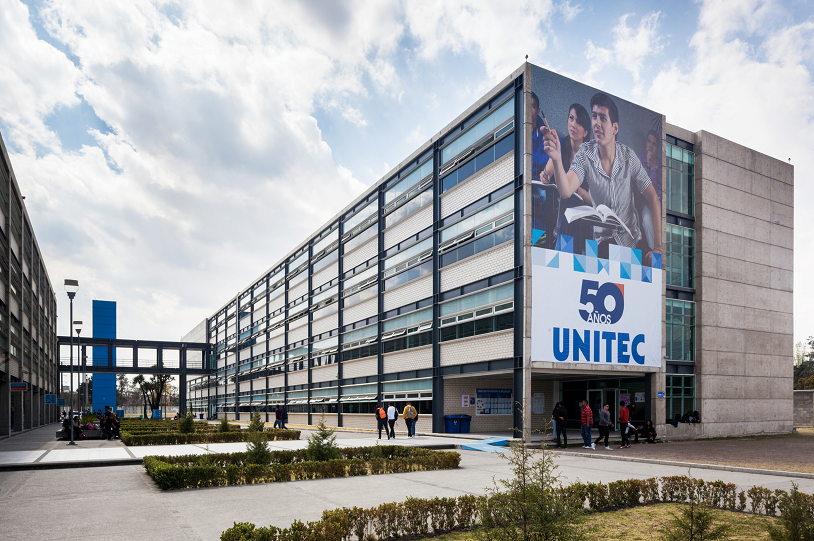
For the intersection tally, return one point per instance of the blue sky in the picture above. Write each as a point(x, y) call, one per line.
point(172, 151)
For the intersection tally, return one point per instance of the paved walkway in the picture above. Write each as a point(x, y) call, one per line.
point(33, 503)
point(40, 447)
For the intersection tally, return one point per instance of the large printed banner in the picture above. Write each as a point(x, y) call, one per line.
point(601, 311)
point(596, 226)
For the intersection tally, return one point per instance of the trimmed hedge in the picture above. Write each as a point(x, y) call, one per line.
point(417, 517)
point(197, 471)
point(177, 438)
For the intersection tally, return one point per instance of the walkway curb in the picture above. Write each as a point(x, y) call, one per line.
point(69, 464)
point(734, 469)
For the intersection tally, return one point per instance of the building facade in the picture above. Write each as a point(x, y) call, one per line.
point(423, 288)
point(28, 315)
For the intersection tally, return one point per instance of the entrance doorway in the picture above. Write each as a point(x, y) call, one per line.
point(598, 398)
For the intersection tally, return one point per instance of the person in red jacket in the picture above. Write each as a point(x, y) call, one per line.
point(587, 421)
point(624, 419)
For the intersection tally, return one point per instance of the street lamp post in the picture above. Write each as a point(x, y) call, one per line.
point(71, 287)
point(77, 326)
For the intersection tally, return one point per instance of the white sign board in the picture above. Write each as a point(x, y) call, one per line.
point(465, 401)
point(538, 403)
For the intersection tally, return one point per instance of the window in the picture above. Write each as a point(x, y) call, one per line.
point(680, 330)
point(414, 340)
point(360, 352)
point(485, 216)
point(363, 295)
point(417, 202)
point(483, 312)
point(326, 297)
point(474, 134)
point(360, 336)
point(360, 239)
point(480, 244)
point(407, 320)
point(359, 280)
point(488, 156)
point(355, 220)
point(408, 275)
point(680, 396)
point(680, 179)
point(325, 261)
point(325, 242)
point(680, 255)
point(302, 258)
point(407, 258)
point(392, 195)
point(486, 325)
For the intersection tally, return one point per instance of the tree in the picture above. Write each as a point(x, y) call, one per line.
point(257, 450)
point(322, 444)
point(121, 389)
point(152, 390)
point(187, 423)
point(695, 523)
point(257, 424)
point(800, 351)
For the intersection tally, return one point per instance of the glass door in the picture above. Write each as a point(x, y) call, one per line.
point(611, 398)
point(595, 402)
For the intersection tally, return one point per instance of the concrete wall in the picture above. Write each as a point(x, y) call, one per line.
point(803, 408)
point(744, 208)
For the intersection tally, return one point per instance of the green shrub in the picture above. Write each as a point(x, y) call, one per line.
point(187, 424)
point(695, 523)
point(257, 451)
point(797, 517)
point(176, 438)
point(194, 471)
point(257, 424)
point(322, 444)
point(224, 425)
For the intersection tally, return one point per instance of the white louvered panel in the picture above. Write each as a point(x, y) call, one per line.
point(15, 247)
point(258, 314)
point(245, 354)
point(230, 388)
point(276, 342)
point(298, 378)
point(325, 373)
point(417, 221)
point(482, 183)
point(276, 382)
point(298, 291)
point(361, 254)
point(325, 324)
point(277, 303)
point(14, 306)
point(325, 275)
point(297, 323)
point(25, 322)
point(360, 311)
point(300, 333)
point(409, 292)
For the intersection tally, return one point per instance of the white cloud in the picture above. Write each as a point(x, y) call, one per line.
point(569, 12)
point(502, 32)
point(631, 46)
point(765, 103)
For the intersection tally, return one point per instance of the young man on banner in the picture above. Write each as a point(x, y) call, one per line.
point(612, 171)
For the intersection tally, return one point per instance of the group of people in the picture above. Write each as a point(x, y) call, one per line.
point(109, 423)
point(598, 171)
point(386, 419)
point(560, 419)
point(280, 417)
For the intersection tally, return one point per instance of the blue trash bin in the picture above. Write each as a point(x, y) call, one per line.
point(465, 420)
point(452, 424)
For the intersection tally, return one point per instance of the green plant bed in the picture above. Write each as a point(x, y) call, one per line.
point(165, 429)
point(177, 438)
point(197, 471)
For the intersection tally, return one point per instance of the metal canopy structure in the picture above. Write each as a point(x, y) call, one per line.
point(181, 367)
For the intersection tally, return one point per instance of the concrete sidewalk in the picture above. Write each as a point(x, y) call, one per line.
point(39, 449)
point(34, 503)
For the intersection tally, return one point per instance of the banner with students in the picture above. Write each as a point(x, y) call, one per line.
point(597, 245)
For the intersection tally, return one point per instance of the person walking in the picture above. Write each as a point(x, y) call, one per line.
point(278, 417)
point(560, 415)
point(283, 417)
point(410, 416)
point(605, 425)
point(392, 414)
point(624, 421)
point(381, 421)
point(587, 421)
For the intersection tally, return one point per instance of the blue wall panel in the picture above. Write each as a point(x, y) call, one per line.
point(104, 326)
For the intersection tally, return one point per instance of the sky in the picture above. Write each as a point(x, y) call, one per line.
point(171, 152)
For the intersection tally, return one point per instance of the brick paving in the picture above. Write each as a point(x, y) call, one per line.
point(792, 452)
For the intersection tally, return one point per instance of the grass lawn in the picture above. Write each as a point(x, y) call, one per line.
point(643, 523)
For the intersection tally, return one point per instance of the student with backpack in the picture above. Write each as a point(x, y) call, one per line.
point(410, 417)
point(381, 420)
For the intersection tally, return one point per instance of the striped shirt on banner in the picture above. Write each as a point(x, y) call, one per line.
point(616, 191)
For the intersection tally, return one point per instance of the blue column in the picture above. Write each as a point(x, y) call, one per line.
point(104, 326)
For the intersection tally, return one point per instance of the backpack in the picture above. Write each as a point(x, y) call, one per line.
point(411, 412)
point(380, 413)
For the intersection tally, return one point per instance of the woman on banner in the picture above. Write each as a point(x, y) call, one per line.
point(579, 127)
